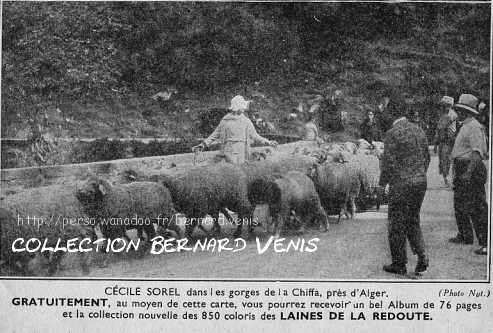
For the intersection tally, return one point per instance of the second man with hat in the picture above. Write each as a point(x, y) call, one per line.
point(470, 176)
point(444, 137)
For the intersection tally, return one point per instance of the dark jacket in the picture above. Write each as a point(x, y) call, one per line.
point(370, 132)
point(384, 120)
point(329, 115)
point(406, 156)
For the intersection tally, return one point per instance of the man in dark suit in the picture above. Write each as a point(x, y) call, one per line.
point(403, 167)
point(330, 113)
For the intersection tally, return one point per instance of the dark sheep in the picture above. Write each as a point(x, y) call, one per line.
point(294, 192)
point(144, 200)
point(274, 164)
point(209, 190)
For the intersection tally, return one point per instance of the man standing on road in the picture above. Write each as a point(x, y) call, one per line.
point(330, 113)
point(470, 176)
point(370, 129)
point(416, 118)
point(403, 166)
point(444, 138)
point(235, 133)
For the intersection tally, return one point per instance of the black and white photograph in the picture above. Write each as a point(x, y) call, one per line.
point(272, 141)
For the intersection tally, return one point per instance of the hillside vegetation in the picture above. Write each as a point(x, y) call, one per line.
point(89, 69)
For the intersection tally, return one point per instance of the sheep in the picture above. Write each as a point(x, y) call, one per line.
point(58, 214)
point(292, 192)
point(21, 262)
point(350, 147)
point(275, 164)
point(369, 174)
point(321, 155)
point(148, 202)
point(17, 262)
point(258, 155)
point(127, 176)
point(329, 152)
point(209, 190)
point(159, 176)
point(367, 168)
point(337, 152)
point(375, 148)
point(338, 186)
point(213, 188)
point(279, 164)
point(364, 145)
point(379, 147)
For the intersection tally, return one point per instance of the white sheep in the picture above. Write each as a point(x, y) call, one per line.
point(338, 185)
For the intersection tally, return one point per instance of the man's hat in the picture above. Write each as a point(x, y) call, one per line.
point(447, 100)
point(238, 103)
point(468, 103)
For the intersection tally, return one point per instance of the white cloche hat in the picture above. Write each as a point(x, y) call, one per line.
point(239, 103)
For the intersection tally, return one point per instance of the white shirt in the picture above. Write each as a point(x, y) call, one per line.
point(471, 138)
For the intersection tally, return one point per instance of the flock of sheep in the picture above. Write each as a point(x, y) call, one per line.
point(300, 189)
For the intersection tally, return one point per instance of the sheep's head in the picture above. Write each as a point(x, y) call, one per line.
point(320, 155)
point(350, 147)
point(93, 190)
point(258, 155)
point(312, 171)
point(129, 176)
point(218, 158)
point(336, 156)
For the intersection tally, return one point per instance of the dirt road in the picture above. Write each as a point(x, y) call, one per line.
point(354, 249)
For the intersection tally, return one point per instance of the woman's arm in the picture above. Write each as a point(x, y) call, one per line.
point(255, 136)
point(215, 136)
